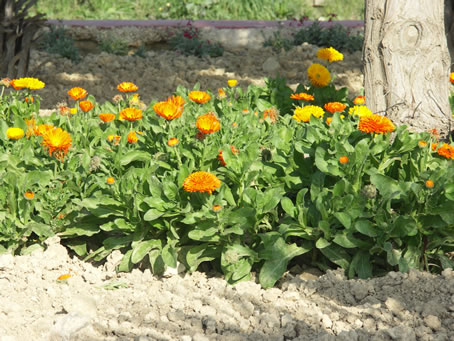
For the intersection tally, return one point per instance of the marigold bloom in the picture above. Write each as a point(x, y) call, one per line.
point(29, 99)
point(318, 75)
point(27, 83)
point(201, 182)
point(446, 150)
point(343, 160)
point(429, 183)
point(217, 208)
point(221, 159)
point(110, 180)
point(451, 77)
point(330, 54)
point(77, 93)
point(15, 133)
point(114, 138)
point(107, 117)
point(434, 133)
point(86, 106)
point(359, 100)
point(245, 111)
point(328, 120)
point(360, 110)
point(58, 141)
point(232, 82)
point(31, 126)
point(29, 195)
point(272, 114)
point(303, 114)
point(173, 141)
point(422, 143)
point(6, 82)
point(199, 96)
point(375, 124)
point(170, 109)
point(221, 93)
point(302, 96)
point(127, 87)
point(132, 137)
point(43, 129)
point(208, 123)
point(333, 107)
point(130, 114)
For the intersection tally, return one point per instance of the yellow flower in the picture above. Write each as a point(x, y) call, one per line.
point(110, 180)
point(15, 133)
point(303, 114)
point(73, 111)
point(429, 183)
point(170, 109)
point(130, 114)
point(172, 141)
point(58, 141)
point(201, 182)
point(359, 100)
point(343, 160)
point(208, 123)
point(199, 96)
point(114, 138)
point(318, 75)
point(132, 137)
point(422, 143)
point(360, 110)
point(451, 77)
point(77, 93)
point(106, 117)
point(330, 54)
point(27, 83)
point(232, 82)
point(127, 87)
point(217, 208)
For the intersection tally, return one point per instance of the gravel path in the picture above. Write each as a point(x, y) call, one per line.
point(95, 303)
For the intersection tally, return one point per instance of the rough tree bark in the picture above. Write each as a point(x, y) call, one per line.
point(407, 63)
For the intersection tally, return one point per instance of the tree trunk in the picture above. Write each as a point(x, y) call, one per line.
point(407, 63)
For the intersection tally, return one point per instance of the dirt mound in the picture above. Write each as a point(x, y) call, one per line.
point(95, 303)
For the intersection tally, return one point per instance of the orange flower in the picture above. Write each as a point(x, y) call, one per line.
point(302, 95)
point(208, 123)
point(217, 208)
point(29, 99)
point(58, 141)
point(29, 195)
point(245, 111)
point(201, 182)
point(221, 93)
point(429, 183)
point(451, 77)
point(221, 159)
point(131, 114)
point(199, 96)
point(114, 138)
point(359, 100)
point(343, 160)
point(132, 137)
point(272, 113)
point(43, 129)
point(86, 106)
point(110, 180)
point(434, 133)
point(375, 124)
point(172, 141)
point(127, 87)
point(328, 120)
point(77, 93)
point(333, 107)
point(170, 109)
point(446, 150)
point(106, 117)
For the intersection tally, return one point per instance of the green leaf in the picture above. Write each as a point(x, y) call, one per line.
point(208, 233)
point(344, 219)
point(142, 248)
point(227, 193)
point(169, 256)
point(337, 255)
point(42, 230)
point(81, 230)
point(360, 265)
point(117, 242)
point(126, 264)
point(345, 240)
point(152, 214)
point(157, 264)
point(392, 256)
point(277, 256)
point(387, 186)
point(322, 243)
point(170, 190)
point(199, 254)
point(135, 155)
point(366, 227)
point(78, 246)
point(449, 191)
point(288, 207)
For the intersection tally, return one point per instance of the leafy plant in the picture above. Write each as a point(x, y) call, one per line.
point(278, 43)
point(58, 41)
point(189, 43)
point(113, 45)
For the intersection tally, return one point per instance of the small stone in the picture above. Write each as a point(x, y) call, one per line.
point(403, 333)
point(271, 65)
point(200, 337)
point(186, 338)
point(359, 290)
point(393, 305)
point(433, 322)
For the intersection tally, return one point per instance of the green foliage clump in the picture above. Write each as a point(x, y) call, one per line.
point(58, 41)
point(336, 36)
point(189, 43)
point(278, 43)
point(114, 45)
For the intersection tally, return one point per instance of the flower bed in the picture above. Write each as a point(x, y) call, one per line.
point(243, 179)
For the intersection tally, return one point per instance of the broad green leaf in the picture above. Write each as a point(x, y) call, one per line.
point(170, 190)
point(345, 240)
point(152, 214)
point(126, 264)
point(337, 255)
point(199, 254)
point(157, 264)
point(344, 218)
point(42, 230)
point(81, 230)
point(360, 265)
point(169, 256)
point(322, 243)
point(366, 227)
point(392, 256)
point(208, 234)
point(288, 207)
point(142, 248)
point(227, 193)
point(449, 191)
point(117, 242)
point(134, 155)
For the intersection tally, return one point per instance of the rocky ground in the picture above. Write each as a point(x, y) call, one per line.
point(95, 303)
